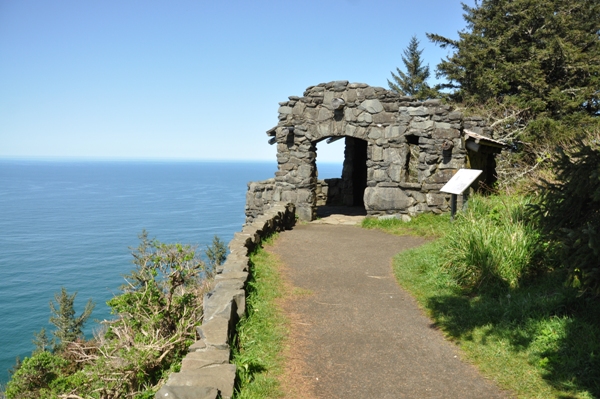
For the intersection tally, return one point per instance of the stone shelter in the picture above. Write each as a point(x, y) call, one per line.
point(398, 153)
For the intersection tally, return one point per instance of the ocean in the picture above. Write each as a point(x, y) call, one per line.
point(71, 223)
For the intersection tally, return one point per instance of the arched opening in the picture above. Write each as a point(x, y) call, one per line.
point(342, 193)
point(329, 168)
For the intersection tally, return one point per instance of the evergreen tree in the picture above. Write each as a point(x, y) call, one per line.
point(538, 55)
point(414, 81)
point(40, 341)
point(216, 253)
point(569, 214)
point(68, 326)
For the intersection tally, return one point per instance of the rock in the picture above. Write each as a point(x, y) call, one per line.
point(371, 106)
point(186, 392)
point(420, 111)
point(389, 217)
point(198, 360)
point(340, 85)
point(215, 332)
point(220, 377)
point(422, 125)
point(197, 346)
point(384, 199)
point(366, 118)
point(435, 199)
point(376, 153)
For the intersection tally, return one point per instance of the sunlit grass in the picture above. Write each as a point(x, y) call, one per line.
point(261, 334)
point(520, 325)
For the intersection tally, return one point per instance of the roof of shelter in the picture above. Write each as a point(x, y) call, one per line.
point(479, 139)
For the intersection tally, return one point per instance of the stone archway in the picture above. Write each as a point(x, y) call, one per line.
point(409, 148)
point(347, 190)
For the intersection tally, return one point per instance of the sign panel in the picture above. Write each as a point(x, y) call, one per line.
point(461, 181)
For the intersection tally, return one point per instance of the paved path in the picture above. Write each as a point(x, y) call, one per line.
point(358, 334)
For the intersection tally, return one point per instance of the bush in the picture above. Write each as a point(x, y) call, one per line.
point(156, 314)
point(35, 375)
point(569, 214)
point(491, 244)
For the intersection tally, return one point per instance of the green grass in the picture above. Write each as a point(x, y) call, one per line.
point(522, 328)
point(261, 333)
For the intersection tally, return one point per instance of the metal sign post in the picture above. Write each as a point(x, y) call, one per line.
point(458, 184)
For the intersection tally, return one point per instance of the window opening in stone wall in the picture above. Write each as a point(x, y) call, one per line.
point(411, 165)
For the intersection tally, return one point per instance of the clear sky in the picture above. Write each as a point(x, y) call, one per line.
point(189, 80)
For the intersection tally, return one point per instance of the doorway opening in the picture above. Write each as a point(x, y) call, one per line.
point(343, 194)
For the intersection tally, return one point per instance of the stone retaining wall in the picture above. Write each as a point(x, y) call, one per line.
point(205, 371)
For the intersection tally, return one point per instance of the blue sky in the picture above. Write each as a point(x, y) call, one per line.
point(189, 80)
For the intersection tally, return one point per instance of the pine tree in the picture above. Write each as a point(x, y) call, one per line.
point(40, 341)
point(216, 253)
point(540, 55)
point(68, 326)
point(414, 81)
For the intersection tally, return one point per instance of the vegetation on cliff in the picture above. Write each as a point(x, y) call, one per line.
point(155, 318)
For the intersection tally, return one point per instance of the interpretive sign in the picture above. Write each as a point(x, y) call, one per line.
point(461, 181)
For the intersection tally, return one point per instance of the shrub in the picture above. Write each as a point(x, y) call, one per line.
point(156, 314)
point(569, 214)
point(491, 244)
point(35, 376)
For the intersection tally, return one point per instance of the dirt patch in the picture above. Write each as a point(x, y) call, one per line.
point(296, 380)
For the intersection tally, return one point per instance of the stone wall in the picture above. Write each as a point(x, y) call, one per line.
point(205, 371)
point(409, 150)
point(329, 192)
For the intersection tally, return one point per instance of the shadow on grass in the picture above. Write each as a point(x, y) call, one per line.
point(557, 332)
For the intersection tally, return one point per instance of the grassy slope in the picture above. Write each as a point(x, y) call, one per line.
point(538, 340)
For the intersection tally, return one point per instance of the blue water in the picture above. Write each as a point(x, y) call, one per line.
point(71, 223)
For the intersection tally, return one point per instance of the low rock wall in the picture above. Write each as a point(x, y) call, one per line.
point(205, 371)
point(261, 195)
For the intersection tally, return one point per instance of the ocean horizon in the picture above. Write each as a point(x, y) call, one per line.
point(70, 223)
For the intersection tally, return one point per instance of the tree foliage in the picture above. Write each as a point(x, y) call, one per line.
point(40, 341)
point(216, 253)
point(569, 215)
point(413, 82)
point(541, 55)
point(68, 326)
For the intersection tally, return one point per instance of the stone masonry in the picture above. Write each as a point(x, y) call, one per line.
point(399, 151)
point(205, 371)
